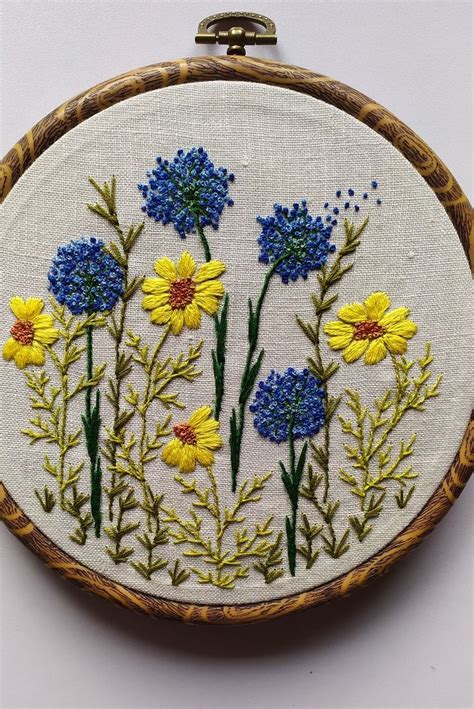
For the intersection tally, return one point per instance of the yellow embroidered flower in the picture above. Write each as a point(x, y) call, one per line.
point(179, 293)
point(367, 328)
point(32, 330)
point(194, 441)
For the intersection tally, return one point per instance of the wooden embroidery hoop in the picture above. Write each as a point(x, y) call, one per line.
point(237, 68)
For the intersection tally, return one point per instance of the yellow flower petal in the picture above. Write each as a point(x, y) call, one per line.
point(166, 268)
point(199, 416)
point(156, 286)
point(177, 321)
point(187, 461)
point(9, 348)
point(192, 316)
point(395, 343)
point(155, 301)
point(376, 305)
point(338, 328)
point(376, 351)
point(26, 309)
point(352, 313)
point(210, 440)
point(171, 453)
point(204, 456)
point(42, 320)
point(214, 288)
point(29, 354)
point(339, 342)
point(208, 303)
point(186, 265)
point(206, 427)
point(406, 329)
point(211, 269)
point(395, 316)
point(46, 335)
point(355, 350)
point(44, 330)
point(161, 316)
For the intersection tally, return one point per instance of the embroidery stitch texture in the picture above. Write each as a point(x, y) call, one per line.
point(146, 431)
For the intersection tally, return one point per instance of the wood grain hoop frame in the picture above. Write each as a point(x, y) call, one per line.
point(438, 177)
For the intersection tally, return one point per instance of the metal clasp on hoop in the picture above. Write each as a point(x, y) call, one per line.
point(236, 37)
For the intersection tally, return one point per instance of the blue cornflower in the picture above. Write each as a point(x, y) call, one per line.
point(297, 240)
point(294, 395)
point(189, 191)
point(84, 277)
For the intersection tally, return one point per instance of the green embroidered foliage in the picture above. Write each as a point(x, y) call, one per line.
point(374, 458)
point(106, 208)
point(74, 505)
point(220, 325)
point(131, 453)
point(402, 497)
point(120, 553)
point(51, 401)
point(227, 559)
point(309, 532)
point(151, 541)
point(332, 545)
point(327, 277)
point(218, 355)
point(269, 567)
point(177, 574)
point(47, 500)
point(249, 375)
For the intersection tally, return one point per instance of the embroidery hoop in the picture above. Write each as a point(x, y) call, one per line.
point(229, 68)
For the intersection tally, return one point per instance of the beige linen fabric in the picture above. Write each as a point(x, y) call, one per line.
point(282, 146)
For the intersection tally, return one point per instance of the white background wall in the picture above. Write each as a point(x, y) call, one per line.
point(406, 641)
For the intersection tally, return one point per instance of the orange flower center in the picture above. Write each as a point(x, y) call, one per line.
point(185, 433)
point(181, 293)
point(368, 330)
point(23, 332)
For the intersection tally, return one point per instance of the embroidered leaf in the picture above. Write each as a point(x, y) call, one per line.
point(403, 497)
point(177, 574)
point(47, 500)
point(218, 552)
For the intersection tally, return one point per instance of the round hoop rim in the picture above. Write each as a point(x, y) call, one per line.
point(233, 68)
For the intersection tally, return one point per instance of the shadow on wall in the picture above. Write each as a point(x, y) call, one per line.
point(340, 621)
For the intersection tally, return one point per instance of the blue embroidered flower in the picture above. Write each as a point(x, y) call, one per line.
point(84, 277)
point(298, 241)
point(281, 398)
point(188, 191)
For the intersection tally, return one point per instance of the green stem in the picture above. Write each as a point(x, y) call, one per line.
point(91, 422)
point(118, 384)
point(204, 242)
point(291, 524)
point(249, 375)
point(147, 400)
point(217, 518)
point(90, 366)
point(220, 326)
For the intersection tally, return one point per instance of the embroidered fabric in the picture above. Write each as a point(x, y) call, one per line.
point(321, 493)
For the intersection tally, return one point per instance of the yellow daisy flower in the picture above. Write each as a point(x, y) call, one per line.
point(194, 441)
point(367, 328)
point(32, 330)
point(179, 293)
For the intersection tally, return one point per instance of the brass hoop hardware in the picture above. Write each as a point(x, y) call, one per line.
point(236, 37)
